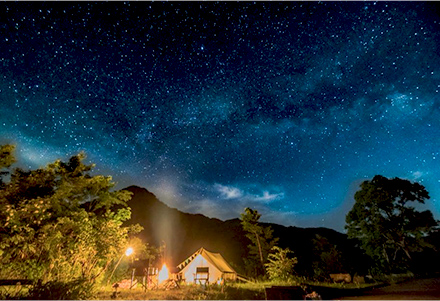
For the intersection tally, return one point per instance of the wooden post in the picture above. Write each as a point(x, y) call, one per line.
point(132, 278)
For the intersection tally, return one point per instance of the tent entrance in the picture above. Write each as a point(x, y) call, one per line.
point(202, 275)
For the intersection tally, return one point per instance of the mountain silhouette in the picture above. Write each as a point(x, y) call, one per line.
point(184, 233)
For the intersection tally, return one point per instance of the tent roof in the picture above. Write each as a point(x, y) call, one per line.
point(216, 259)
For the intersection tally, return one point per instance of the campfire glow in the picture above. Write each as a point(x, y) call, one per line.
point(163, 274)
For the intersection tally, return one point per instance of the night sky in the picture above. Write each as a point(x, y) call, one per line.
point(285, 107)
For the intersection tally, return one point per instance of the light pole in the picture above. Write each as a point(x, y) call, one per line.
point(127, 253)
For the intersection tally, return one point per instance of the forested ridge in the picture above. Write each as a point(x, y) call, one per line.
point(320, 251)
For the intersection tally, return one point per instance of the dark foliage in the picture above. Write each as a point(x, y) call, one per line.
point(80, 289)
point(388, 226)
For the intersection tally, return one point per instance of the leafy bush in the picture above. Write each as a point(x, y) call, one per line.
point(280, 266)
point(59, 223)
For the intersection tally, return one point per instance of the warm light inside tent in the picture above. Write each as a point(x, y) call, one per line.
point(163, 274)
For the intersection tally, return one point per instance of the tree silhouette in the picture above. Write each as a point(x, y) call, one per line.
point(261, 239)
point(388, 228)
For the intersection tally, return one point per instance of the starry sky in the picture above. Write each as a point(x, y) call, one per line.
point(285, 107)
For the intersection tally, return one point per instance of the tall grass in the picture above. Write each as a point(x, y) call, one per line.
point(232, 291)
point(187, 292)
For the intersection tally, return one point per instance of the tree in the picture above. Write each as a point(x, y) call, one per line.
point(261, 238)
point(59, 223)
point(387, 227)
point(279, 265)
point(6, 156)
point(6, 160)
point(328, 258)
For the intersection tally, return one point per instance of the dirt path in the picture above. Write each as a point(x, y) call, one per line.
point(420, 289)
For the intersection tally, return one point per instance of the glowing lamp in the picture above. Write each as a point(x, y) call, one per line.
point(129, 251)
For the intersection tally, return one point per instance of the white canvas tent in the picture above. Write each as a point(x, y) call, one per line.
point(212, 265)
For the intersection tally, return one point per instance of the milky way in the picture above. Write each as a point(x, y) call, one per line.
point(284, 107)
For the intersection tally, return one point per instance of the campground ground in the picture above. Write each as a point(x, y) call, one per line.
point(192, 292)
point(416, 289)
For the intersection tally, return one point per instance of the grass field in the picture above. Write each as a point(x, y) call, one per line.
point(188, 292)
point(232, 291)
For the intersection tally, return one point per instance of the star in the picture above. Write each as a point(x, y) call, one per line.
point(284, 107)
